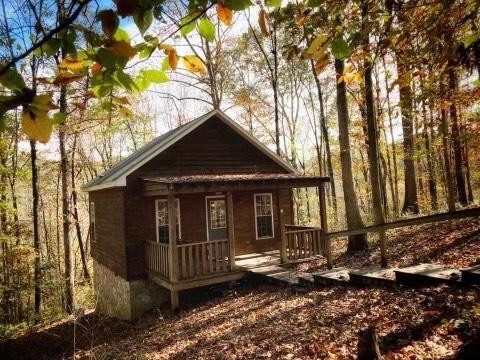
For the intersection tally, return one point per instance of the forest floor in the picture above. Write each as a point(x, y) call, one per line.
point(258, 321)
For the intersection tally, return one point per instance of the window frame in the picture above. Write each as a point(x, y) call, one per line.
point(207, 225)
point(177, 202)
point(256, 216)
point(91, 212)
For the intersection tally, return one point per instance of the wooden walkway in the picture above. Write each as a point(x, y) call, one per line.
point(422, 274)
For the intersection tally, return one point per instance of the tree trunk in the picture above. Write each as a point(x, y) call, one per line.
point(457, 146)
point(410, 203)
point(323, 126)
point(65, 206)
point(36, 233)
point(354, 220)
point(372, 135)
point(446, 156)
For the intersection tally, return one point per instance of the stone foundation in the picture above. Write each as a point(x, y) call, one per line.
point(124, 299)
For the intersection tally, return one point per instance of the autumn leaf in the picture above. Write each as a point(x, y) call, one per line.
point(109, 22)
point(37, 126)
point(171, 54)
point(320, 64)
point(125, 112)
point(121, 48)
point(317, 48)
point(122, 100)
point(194, 64)
point(64, 78)
point(126, 7)
point(224, 14)
point(74, 63)
point(263, 22)
point(42, 103)
point(96, 68)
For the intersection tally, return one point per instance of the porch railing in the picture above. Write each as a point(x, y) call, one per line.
point(303, 242)
point(194, 260)
point(203, 258)
point(157, 257)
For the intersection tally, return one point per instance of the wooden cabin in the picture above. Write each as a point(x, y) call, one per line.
point(190, 209)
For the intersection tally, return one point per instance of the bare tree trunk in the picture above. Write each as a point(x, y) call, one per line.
point(378, 211)
point(323, 126)
point(65, 206)
point(457, 146)
point(394, 150)
point(446, 156)
point(36, 234)
point(354, 219)
point(86, 275)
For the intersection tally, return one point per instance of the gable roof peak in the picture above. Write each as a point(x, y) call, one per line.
point(117, 174)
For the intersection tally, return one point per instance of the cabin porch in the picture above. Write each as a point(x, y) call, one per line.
point(179, 264)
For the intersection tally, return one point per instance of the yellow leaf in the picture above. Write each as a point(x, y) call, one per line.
point(42, 103)
point(317, 48)
point(263, 22)
point(170, 51)
point(194, 64)
point(224, 14)
point(73, 63)
point(36, 126)
point(121, 48)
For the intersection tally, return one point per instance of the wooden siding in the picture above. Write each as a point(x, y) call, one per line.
point(212, 148)
point(140, 224)
point(109, 245)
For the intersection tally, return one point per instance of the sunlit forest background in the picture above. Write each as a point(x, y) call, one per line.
point(413, 68)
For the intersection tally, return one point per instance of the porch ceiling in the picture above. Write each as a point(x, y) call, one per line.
point(227, 182)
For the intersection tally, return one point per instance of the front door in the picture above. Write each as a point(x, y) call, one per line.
point(216, 218)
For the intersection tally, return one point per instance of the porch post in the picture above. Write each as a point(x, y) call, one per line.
point(281, 225)
point(172, 236)
point(231, 231)
point(323, 221)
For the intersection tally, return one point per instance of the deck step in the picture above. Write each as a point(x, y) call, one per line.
point(427, 273)
point(373, 276)
point(276, 275)
point(335, 276)
point(306, 279)
point(471, 274)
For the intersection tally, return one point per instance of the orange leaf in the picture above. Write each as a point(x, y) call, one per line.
point(171, 53)
point(64, 78)
point(96, 68)
point(121, 48)
point(320, 65)
point(73, 63)
point(263, 22)
point(224, 14)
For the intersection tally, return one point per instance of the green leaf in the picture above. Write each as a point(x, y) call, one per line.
point(110, 60)
point(187, 23)
point(143, 19)
point(68, 41)
point(206, 29)
point(314, 3)
point(476, 83)
point(340, 48)
point(142, 83)
point(12, 80)
point(50, 48)
point(155, 76)
point(124, 80)
point(121, 34)
point(101, 85)
point(469, 38)
point(238, 4)
point(273, 3)
point(165, 64)
point(59, 117)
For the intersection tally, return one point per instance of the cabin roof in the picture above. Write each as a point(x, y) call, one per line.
point(117, 174)
point(224, 178)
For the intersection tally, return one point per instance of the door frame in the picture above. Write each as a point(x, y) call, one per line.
point(206, 212)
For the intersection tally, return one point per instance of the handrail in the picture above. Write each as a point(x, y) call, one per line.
point(302, 230)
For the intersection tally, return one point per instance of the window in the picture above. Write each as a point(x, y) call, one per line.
point(218, 219)
point(161, 209)
point(263, 216)
point(92, 221)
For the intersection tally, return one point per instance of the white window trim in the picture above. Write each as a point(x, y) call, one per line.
point(271, 212)
point(92, 222)
point(157, 201)
point(206, 212)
